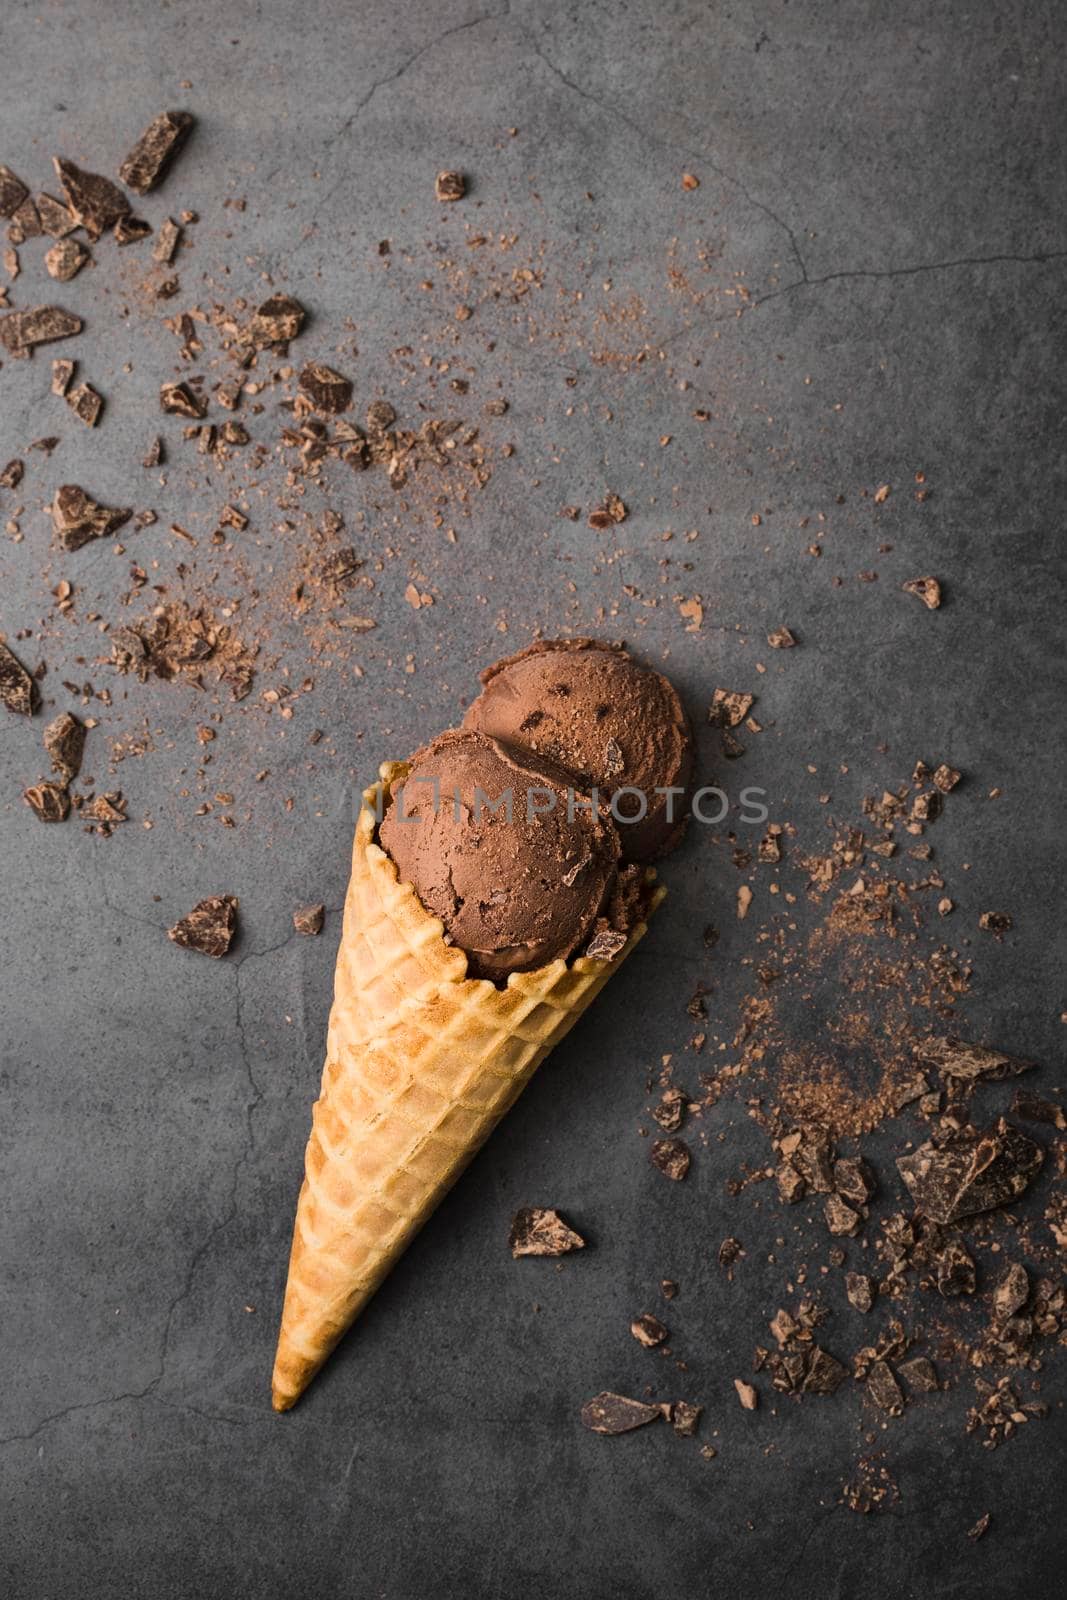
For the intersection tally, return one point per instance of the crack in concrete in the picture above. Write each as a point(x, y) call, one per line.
point(1037, 258)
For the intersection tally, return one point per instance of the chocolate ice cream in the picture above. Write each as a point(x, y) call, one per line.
point(604, 717)
point(514, 891)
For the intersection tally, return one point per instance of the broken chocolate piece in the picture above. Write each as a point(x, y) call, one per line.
point(380, 416)
point(781, 639)
point(167, 241)
point(853, 1180)
point(538, 1231)
point(12, 192)
point(613, 1413)
point(309, 919)
point(997, 922)
point(181, 401)
point(450, 186)
point(860, 1291)
point(928, 590)
point(95, 202)
point(77, 518)
point(670, 1113)
point(326, 389)
point(954, 1269)
point(62, 373)
point(277, 320)
point(883, 1388)
point(840, 1217)
point(49, 801)
point(56, 218)
point(791, 1186)
point(16, 686)
point(153, 456)
point(955, 1059)
point(104, 813)
point(946, 778)
point(86, 404)
point(25, 223)
point(729, 709)
point(730, 1252)
point(970, 1172)
point(155, 150)
point(824, 1373)
point(1035, 1109)
point(64, 739)
point(131, 230)
point(1011, 1293)
point(810, 1150)
point(210, 926)
point(672, 1158)
point(11, 476)
point(605, 945)
point(747, 1393)
point(65, 259)
point(648, 1330)
point(21, 330)
point(685, 1417)
point(975, 1533)
point(920, 1374)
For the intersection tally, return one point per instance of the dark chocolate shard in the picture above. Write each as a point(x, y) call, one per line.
point(210, 926)
point(309, 919)
point(57, 220)
point(954, 1058)
point(11, 476)
point(21, 330)
point(16, 686)
point(613, 1413)
point(328, 391)
point(154, 151)
point(181, 401)
point(540, 1231)
point(64, 739)
point(86, 404)
point(954, 1269)
point(840, 1217)
point(95, 202)
point(883, 1388)
point(77, 517)
point(1034, 1109)
point(25, 223)
point(685, 1418)
point(49, 801)
point(649, 1330)
point(970, 1172)
point(12, 192)
point(605, 945)
point(65, 259)
point(853, 1180)
point(824, 1373)
point(975, 1533)
point(277, 320)
point(810, 1151)
point(920, 1375)
point(131, 230)
point(791, 1186)
point(167, 242)
point(860, 1291)
point(1011, 1293)
point(672, 1158)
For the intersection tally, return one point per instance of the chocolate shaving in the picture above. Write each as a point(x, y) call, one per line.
point(49, 801)
point(970, 1172)
point(17, 689)
point(309, 919)
point(609, 1413)
point(210, 926)
point(95, 202)
point(21, 330)
point(64, 740)
point(155, 150)
point(77, 518)
point(672, 1157)
point(538, 1231)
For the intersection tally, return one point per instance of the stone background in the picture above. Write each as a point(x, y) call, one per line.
point(881, 195)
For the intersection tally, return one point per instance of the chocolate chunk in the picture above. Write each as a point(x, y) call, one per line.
point(975, 1533)
point(12, 192)
point(670, 1113)
point(153, 456)
point(840, 1217)
point(380, 416)
point(1011, 1293)
point(970, 1172)
point(824, 1373)
point(955, 1059)
point(747, 1393)
point(326, 389)
point(309, 919)
point(64, 739)
point(537, 1231)
point(946, 778)
point(210, 926)
point(860, 1290)
point(450, 186)
point(180, 401)
point(50, 802)
point(1035, 1109)
point(605, 945)
point(672, 1158)
point(56, 218)
point(729, 709)
point(648, 1330)
point(730, 1252)
point(997, 922)
point(853, 1180)
point(954, 1269)
point(781, 639)
point(613, 1413)
point(928, 590)
point(17, 689)
point(25, 223)
point(131, 230)
point(95, 202)
point(791, 1186)
point(277, 320)
point(77, 518)
point(86, 404)
point(21, 330)
point(685, 1418)
point(104, 813)
point(62, 373)
point(810, 1150)
point(919, 1374)
point(155, 150)
point(167, 241)
point(884, 1389)
point(66, 260)
point(11, 476)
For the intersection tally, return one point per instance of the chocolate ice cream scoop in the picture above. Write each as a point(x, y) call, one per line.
point(610, 721)
point(498, 845)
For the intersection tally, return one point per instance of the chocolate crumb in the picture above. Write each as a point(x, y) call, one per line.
point(309, 919)
point(538, 1231)
point(167, 241)
point(648, 1330)
point(64, 740)
point(685, 1418)
point(781, 639)
point(49, 801)
point(209, 927)
point(181, 401)
point(975, 1533)
point(860, 1291)
point(86, 404)
point(747, 1393)
point(928, 590)
point(450, 186)
point(672, 1157)
point(65, 259)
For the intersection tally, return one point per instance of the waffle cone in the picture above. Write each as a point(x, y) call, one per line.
point(421, 1064)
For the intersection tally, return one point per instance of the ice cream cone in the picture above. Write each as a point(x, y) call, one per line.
point(421, 1064)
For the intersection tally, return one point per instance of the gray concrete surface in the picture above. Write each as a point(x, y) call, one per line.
point(885, 183)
